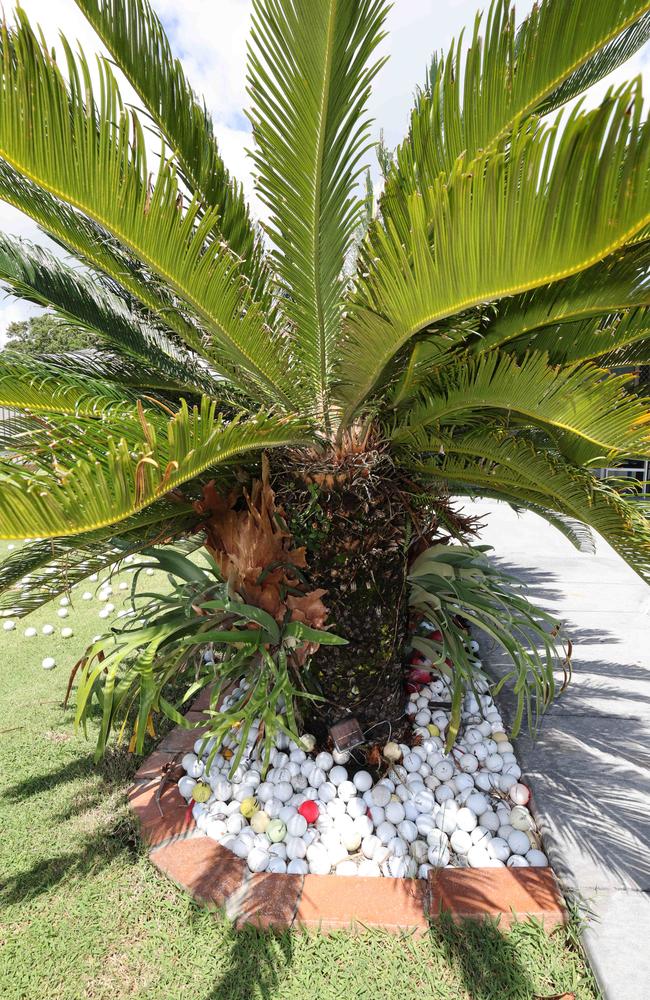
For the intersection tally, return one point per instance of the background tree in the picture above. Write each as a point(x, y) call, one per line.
point(45, 334)
point(463, 355)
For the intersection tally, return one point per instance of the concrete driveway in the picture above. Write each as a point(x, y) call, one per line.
point(589, 765)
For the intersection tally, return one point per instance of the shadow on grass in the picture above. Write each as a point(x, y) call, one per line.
point(256, 964)
point(484, 958)
point(481, 958)
point(105, 826)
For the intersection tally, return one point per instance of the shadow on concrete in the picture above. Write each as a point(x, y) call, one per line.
point(589, 761)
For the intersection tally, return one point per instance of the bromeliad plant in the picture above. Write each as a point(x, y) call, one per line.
point(172, 646)
point(456, 587)
point(449, 338)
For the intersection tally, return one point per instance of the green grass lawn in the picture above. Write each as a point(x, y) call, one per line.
point(84, 915)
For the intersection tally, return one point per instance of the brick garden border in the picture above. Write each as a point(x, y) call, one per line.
point(215, 877)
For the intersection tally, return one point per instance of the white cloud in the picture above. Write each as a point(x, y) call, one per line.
point(210, 38)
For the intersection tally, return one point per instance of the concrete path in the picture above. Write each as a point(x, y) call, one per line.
point(590, 764)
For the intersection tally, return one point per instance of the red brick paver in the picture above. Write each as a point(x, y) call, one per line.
point(496, 892)
point(207, 871)
point(333, 902)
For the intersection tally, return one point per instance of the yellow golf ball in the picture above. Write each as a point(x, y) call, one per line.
point(201, 792)
point(248, 807)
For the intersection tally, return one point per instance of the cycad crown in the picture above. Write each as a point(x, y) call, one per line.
point(459, 326)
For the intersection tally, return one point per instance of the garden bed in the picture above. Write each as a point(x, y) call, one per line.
point(214, 875)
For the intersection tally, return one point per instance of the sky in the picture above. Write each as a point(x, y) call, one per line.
point(210, 37)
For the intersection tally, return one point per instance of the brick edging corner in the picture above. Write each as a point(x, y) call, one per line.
point(212, 874)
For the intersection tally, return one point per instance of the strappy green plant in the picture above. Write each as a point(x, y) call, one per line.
point(461, 321)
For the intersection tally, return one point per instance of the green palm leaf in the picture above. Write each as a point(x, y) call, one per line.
point(309, 77)
point(101, 152)
point(474, 100)
point(123, 473)
point(133, 34)
point(549, 207)
point(38, 276)
point(41, 570)
point(574, 402)
point(517, 470)
point(591, 338)
point(95, 247)
point(31, 384)
point(618, 283)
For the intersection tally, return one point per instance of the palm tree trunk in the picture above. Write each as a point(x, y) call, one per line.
point(362, 566)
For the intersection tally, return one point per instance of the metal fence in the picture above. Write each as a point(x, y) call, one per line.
point(637, 470)
point(8, 424)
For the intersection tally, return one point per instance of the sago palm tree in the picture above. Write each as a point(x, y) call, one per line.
point(447, 339)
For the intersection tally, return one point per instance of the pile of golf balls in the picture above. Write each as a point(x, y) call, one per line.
point(324, 812)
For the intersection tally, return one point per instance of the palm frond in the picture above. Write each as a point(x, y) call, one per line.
point(474, 100)
point(95, 247)
point(309, 78)
point(97, 473)
point(575, 403)
point(634, 354)
point(136, 39)
point(33, 274)
point(41, 570)
point(511, 468)
point(99, 152)
point(618, 283)
point(551, 206)
point(591, 338)
point(27, 383)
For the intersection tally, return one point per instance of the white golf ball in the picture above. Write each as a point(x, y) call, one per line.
point(381, 795)
point(520, 794)
point(468, 763)
point(369, 845)
point(324, 760)
point(30, 632)
point(63, 612)
point(520, 818)
point(499, 848)
point(66, 632)
point(296, 848)
point(185, 785)
point(518, 842)
point(369, 868)
point(386, 831)
point(258, 859)
point(297, 826)
point(394, 812)
point(460, 841)
point(318, 860)
point(362, 781)
point(8, 625)
point(48, 663)
point(465, 819)
point(347, 791)
point(516, 861)
point(444, 770)
point(47, 629)
point(338, 775)
point(478, 856)
point(356, 807)
point(536, 859)
point(438, 856)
